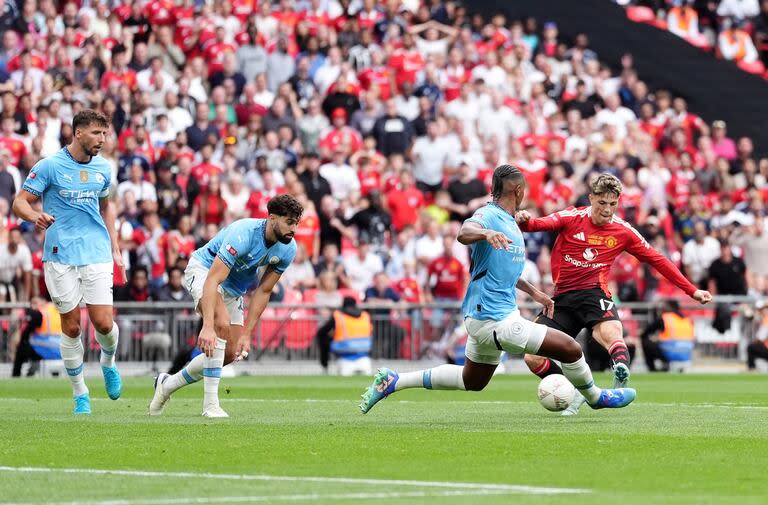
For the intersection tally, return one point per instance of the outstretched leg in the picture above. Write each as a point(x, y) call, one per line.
point(610, 334)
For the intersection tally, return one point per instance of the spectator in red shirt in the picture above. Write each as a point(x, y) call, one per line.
point(446, 282)
point(209, 206)
point(340, 134)
point(405, 202)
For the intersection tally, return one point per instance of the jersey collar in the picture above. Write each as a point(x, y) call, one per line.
point(66, 150)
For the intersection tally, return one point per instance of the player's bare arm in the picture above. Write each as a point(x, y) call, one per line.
point(22, 207)
point(538, 296)
point(256, 305)
point(472, 232)
point(108, 214)
point(217, 274)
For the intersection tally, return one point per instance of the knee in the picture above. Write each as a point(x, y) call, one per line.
point(71, 328)
point(533, 361)
point(474, 383)
point(571, 351)
point(103, 325)
point(222, 330)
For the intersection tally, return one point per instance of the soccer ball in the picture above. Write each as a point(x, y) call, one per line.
point(555, 392)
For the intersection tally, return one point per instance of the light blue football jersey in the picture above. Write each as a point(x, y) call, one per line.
point(242, 246)
point(70, 191)
point(491, 293)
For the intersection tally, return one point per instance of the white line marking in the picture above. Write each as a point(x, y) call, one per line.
point(337, 480)
point(725, 405)
point(269, 498)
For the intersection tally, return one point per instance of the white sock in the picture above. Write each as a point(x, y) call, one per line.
point(440, 377)
point(212, 373)
point(190, 374)
point(108, 345)
point(72, 354)
point(579, 374)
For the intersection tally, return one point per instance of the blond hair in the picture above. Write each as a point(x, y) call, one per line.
point(606, 183)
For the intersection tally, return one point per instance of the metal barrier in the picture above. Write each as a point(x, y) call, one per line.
point(159, 331)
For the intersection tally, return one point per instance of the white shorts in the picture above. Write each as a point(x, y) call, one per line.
point(194, 280)
point(515, 334)
point(68, 284)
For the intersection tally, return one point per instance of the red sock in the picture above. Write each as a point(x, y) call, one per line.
point(549, 367)
point(619, 352)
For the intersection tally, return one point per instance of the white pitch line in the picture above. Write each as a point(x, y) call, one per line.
point(468, 402)
point(514, 488)
point(270, 498)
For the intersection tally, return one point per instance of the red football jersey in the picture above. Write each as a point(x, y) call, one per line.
point(583, 252)
point(447, 276)
point(408, 289)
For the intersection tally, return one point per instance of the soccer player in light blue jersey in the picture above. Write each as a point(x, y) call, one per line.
point(80, 246)
point(491, 316)
point(217, 277)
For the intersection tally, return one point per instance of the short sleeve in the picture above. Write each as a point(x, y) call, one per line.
point(285, 259)
point(38, 179)
point(233, 246)
point(107, 182)
point(482, 217)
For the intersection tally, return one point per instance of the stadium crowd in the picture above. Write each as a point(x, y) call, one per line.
point(385, 120)
point(735, 30)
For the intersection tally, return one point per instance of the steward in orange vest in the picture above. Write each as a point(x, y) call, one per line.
point(40, 337)
point(670, 325)
point(348, 334)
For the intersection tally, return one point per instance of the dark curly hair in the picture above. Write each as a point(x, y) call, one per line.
point(87, 117)
point(285, 206)
point(501, 174)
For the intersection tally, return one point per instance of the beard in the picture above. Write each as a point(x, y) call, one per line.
point(284, 239)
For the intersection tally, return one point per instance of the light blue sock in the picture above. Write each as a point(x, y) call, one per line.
point(72, 354)
point(440, 377)
point(190, 374)
point(108, 343)
point(212, 373)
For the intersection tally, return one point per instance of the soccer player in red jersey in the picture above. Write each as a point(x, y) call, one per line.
point(589, 240)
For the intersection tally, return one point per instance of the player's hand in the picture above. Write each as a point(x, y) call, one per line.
point(207, 341)
point(243, 348)
point(701, 296)
point(43, 221)
point(522, 216)
point(498, 240)
point(547, 302)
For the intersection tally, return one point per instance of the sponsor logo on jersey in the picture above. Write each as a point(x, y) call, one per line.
point(66, 177)
point(99, 178)
point(590, 254)
point(580, 236)
point(611, 241)
point(83, 176)
point(231, 250)
point(77, 194)
point(582, 264)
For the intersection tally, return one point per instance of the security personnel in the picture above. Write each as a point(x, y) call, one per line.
point(675, 336)
point(40, 337)
point(349, 335)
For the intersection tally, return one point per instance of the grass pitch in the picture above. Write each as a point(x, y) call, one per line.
point(687, 439)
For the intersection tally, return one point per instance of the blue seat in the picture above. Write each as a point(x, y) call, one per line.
point(677, 350)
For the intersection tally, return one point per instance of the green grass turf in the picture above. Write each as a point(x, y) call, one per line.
point(688, 439)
